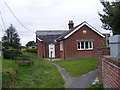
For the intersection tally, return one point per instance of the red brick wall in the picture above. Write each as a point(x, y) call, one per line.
point(100, 53)
point(70, 44)
point(46, 50)
point(103, 51)
point(108, 69)
point(40, 49)
point(43, 50)
point(62, 54)
point(110, 72)
point(57, 50)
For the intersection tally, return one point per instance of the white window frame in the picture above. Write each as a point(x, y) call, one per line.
point(61, 45)
point(89, 48)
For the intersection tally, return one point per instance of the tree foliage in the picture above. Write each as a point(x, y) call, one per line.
point(30, 43)
point(11, 38)
point(111, 16)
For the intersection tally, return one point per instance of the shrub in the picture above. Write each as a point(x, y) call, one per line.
point(11, 53)
point(31, 50)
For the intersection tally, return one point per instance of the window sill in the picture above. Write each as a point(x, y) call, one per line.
point(84, 49)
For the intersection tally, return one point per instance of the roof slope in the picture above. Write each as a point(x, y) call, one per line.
point(49, 36)
point(70, 32)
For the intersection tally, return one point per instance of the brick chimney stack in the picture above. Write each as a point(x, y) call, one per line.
point(70, 24)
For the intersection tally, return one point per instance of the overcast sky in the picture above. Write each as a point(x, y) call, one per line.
point(48, 15)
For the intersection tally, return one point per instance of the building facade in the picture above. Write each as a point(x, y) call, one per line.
point(80, 41)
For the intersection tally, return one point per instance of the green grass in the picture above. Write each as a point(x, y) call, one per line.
point(7, 63)
point(77, 67)
point(40, 74)
point(9, 73)
point(97, 85)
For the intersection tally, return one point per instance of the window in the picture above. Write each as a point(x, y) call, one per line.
point(61, 45)
point(84, 45)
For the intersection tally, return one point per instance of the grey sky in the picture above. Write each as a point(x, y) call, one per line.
point(49, 15)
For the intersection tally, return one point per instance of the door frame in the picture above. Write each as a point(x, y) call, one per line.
point(51, 47)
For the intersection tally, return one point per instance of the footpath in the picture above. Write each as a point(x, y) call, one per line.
point(77, 82)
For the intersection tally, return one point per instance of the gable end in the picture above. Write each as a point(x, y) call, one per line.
point(84, 23)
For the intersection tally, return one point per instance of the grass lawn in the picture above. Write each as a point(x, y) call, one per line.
point(9, 69)
point(40, 74)
point(77, 67)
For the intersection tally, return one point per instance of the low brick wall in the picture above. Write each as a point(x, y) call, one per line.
point(111, 72)
point(108, 69)
point(100, 53)
point(103, 51)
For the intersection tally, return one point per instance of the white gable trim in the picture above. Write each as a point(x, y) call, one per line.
point(82, 26)
point(39, 39)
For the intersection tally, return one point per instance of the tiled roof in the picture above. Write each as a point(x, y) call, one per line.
point(70, 32)
point(66, 33)
point(49, 32)
point(49, 36)
point(58, 35)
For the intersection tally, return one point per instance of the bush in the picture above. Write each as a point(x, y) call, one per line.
point(11, 53)
point(31, 50)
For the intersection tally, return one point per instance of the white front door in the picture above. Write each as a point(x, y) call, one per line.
point(51, 51)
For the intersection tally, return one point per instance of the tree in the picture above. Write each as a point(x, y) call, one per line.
point(30, 43)
point(111, 17)
point(11, 38)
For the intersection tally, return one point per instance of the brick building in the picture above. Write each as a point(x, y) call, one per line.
point(77, 42)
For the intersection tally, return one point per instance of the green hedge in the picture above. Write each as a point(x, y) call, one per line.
point(11, 53)
point(31, 50)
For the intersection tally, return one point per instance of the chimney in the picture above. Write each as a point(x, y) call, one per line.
point(70, 24)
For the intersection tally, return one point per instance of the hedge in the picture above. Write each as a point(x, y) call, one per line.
point(31, 50)
point(11, 53)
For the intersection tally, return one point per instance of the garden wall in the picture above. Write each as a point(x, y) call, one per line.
point(108, 69)
point(101, 52)
point(110, 72)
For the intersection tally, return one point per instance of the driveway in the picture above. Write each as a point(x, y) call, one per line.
point(81, 82)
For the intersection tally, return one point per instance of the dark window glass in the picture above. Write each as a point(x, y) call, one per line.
point(90, 44)
point(86, 45)
point(82, 45)
point(78, 45)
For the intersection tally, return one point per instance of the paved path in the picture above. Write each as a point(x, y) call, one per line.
point(81, 82)
point(84, 80)
point(68, 79)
